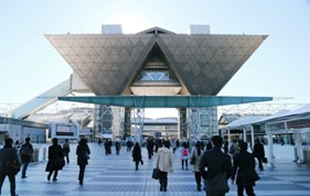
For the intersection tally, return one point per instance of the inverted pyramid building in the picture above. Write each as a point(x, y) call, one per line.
point(155, 61)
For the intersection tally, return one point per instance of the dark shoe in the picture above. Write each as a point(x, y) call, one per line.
point(55, 179)
point(81, 183)
point(198, 189)
point(48, 177)
point(161, 189)
point(24, 176)
point(165, 189)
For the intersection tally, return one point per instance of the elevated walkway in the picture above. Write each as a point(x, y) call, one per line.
point(43, 100)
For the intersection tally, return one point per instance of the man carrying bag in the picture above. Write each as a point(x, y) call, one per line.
point(215, 167)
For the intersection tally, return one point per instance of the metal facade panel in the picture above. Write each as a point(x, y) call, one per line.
point(106, 63)
point(205, 63)
point(202, 63)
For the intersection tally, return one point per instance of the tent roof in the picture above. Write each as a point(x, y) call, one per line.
point(247, 120)
point(286, 114)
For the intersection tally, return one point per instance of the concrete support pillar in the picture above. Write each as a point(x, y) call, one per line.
point(222, 133)
point(298, 147)
point(228, 136)
point(244, 134)
point(252, 137)
point(270, 145)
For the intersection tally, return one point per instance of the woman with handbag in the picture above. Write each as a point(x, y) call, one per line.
point(164, 164)
point(195, 159)
point(56, 160)
point(82, 152)
point(244, 167)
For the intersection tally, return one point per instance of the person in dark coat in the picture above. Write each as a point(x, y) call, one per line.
point(136, 155)
point(129, 145)
point(218, 165)
point(66, 150)
point(259, 153)
point(150, 147)
point(117, 147)
point(8, 153)
point(82, 152)
point(225, 148)
point(55, 160)
point(107, 147)
point(26, 152)
point(243, 161)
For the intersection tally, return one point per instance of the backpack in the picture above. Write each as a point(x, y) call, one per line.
point(185, 152)
point(26, 150)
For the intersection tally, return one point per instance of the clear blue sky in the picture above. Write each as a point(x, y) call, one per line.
point(279, 68)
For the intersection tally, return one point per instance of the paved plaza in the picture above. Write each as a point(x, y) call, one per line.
point(116, 175)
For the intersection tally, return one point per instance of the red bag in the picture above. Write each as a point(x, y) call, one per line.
point(185, 152)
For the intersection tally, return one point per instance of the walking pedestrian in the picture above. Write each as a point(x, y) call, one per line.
point(117, 147)
point(66, 150)
point(244, 167)
point(215, 167)
point(234, 148)
point(184, 155)
point(55, 160)
point(107, 147)
point(8, 156)
point(150, 147)
point(26, 152)
point(164, 162)
point(195, 159)
point(129, 145)
point(136, 155)
point(82, 152)
point(259, 153)
point(173, 145)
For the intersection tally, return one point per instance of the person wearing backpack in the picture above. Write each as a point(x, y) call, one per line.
point(9, 158)
point(184, 155)
point(26, 152)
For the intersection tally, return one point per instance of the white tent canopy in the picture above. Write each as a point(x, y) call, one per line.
point(283, 116)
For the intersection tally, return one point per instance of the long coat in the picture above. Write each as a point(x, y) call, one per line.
point(55, 158)
point(242, 162)
point(136, 153)
point(164, 159)
point(81, 151)
point(197, 159)
point(258, 150)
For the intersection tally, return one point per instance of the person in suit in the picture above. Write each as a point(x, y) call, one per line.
point(136, 155)
point(150, 147)
point(55, 160)
point(8, 154)
point(218, 165)
point(164, 161)
point(243, 162)
point(26, 152)
point(82, 152)
point(259, 153)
